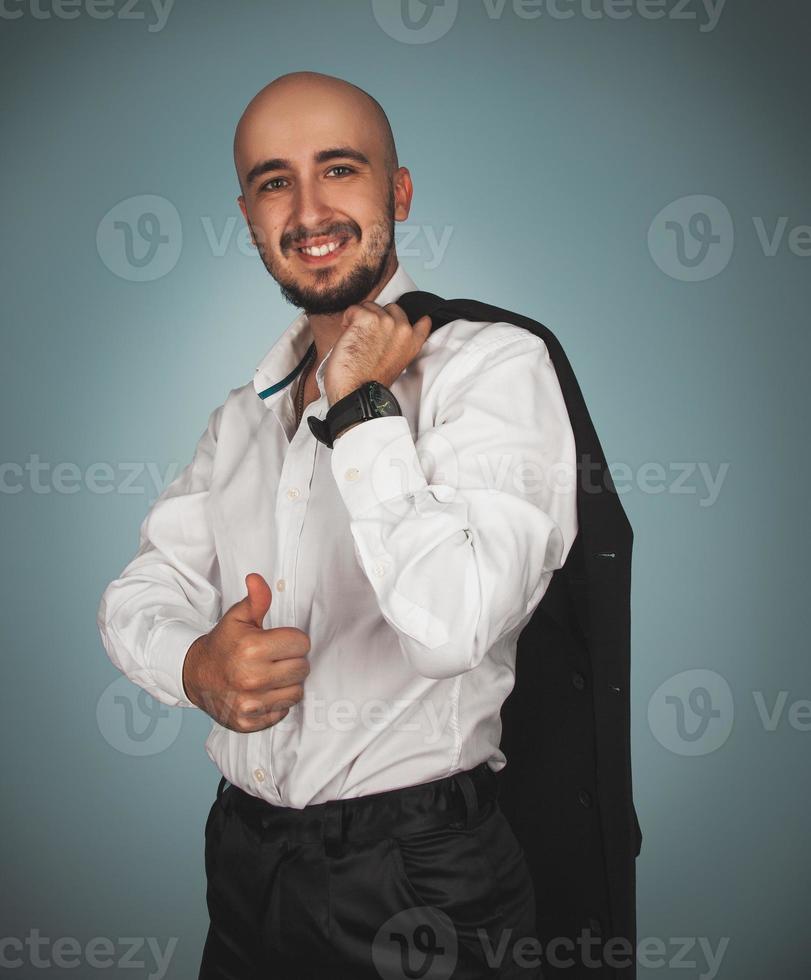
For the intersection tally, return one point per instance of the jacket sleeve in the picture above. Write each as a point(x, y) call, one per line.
point(170, 593)
point(459, 533)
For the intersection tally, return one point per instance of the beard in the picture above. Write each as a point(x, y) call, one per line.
point(330, 295)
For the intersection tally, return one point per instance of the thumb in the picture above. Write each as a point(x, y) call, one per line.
point(254, 606)
point(422, 328)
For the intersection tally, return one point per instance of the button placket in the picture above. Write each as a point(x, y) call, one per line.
point(290, 511)
point(290, 516)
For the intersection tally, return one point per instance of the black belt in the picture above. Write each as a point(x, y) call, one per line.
point(452, 800)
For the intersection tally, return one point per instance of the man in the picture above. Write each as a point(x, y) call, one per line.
point(348, 614)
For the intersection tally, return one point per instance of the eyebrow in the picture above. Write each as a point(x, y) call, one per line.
point(323, 156)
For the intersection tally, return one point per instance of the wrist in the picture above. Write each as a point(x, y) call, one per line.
point(343, 431)
point(188, 678)
point(342, 392)
point(370, 400)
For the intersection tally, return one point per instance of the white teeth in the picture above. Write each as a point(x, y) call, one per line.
point(321, 249)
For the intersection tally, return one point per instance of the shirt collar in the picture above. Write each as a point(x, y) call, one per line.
point(285, 359)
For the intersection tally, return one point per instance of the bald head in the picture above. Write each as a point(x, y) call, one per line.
point(318, 169)
point(309, 102)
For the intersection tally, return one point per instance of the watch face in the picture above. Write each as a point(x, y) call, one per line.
point(380, 399)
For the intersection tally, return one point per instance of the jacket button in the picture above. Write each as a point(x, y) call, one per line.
point(578, 680)
point(615, 688)
point(594, 926)
point(585, 797)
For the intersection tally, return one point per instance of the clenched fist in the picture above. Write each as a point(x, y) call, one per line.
point(377, 344)
point(245, 677)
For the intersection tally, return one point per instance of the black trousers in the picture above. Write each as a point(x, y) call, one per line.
point(426, 881)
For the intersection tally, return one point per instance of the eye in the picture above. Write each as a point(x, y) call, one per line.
point(341, 166)
point(267, 185)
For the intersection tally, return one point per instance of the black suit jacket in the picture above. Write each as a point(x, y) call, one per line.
point(566, 788)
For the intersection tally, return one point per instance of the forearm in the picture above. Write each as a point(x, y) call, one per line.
point(453, 570)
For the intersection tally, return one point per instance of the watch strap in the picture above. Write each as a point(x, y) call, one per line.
point(368, 401)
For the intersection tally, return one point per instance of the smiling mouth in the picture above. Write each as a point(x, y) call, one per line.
point(322, 250)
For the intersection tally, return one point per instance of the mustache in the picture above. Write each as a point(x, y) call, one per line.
point(292, 239)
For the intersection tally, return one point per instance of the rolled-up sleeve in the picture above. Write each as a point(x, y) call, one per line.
point(170, 593)
point(459, 532)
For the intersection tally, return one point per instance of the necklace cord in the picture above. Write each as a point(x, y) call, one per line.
point(300, 390)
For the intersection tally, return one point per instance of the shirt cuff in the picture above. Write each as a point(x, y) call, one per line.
point(168, 654)
point(376, 461)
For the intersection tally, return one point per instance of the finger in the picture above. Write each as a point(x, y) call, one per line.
point(401, 317)
point(397, 312)
point(258, 708)
point(246, 724)
point(360, 315)
point(384, 312)
point(285, 674)
point(281, 643)
point(351, 313)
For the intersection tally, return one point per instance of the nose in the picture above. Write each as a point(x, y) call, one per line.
point(310, 207)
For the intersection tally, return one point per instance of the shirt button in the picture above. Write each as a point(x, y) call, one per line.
point(352, 473)
point(259, 775)
point(380, 568)
point(280, 584)
point(293, 492)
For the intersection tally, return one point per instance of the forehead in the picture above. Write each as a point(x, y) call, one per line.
point(297, 128)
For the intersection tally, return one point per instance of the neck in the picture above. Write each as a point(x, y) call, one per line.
point(327, 328)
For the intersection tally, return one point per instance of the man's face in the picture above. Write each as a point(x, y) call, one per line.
point(314, 182)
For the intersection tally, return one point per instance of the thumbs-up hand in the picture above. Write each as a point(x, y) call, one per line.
point(245, 677)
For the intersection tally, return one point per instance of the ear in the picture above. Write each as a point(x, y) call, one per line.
point(403, 192)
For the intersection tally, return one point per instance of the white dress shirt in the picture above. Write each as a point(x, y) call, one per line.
point(412, 554)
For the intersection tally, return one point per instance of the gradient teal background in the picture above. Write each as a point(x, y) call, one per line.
point(548, 147)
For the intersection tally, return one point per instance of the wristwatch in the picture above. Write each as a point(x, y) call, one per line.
point(371, 400)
